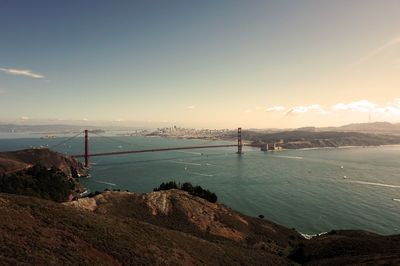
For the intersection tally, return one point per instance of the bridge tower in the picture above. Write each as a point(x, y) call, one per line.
point(86, 148)
point(239, 139)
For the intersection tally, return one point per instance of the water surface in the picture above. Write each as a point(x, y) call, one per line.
point(310, 190)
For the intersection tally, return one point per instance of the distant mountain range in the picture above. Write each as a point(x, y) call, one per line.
point(365, 134)
point(53, 129)
point(376, 127)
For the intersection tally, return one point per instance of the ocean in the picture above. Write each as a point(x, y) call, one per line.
point(313, 191)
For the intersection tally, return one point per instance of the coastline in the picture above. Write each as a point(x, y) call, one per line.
point(345, 147)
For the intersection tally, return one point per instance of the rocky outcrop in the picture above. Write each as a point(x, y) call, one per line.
point(34, 231)
point(178, 210)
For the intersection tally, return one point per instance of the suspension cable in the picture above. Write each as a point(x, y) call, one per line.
point(65, 141)
point(118, 140)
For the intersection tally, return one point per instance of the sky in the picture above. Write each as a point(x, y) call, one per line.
point(204, 64)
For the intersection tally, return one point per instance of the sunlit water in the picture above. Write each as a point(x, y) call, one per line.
point(310, 190)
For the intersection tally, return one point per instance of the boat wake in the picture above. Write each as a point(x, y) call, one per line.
point(191, 152)
point(198, 164)
point(288, 157)
point(106, 183)
point(195, 173)
point(374, 184)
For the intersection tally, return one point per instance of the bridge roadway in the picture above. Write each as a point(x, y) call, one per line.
point(161, 149)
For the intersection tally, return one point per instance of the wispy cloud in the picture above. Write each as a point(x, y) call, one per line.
point(306, 108)
point(377, 51)
point(24, 118)
point(190, 107)
point(22, 72)
point(278, 108)
point(361, 106)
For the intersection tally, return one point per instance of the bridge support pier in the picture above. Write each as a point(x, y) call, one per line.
point(239, 139)
point(86, 148)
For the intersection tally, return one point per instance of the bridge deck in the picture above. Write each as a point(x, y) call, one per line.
point(160, 149)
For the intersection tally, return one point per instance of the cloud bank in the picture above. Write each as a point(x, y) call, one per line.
point(390, 109)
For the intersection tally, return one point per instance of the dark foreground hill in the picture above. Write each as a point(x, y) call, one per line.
point(42, 173)
point(40, 232)
point(169, 228)
point(14, 161)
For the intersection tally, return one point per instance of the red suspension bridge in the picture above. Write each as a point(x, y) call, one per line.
point(87, 155)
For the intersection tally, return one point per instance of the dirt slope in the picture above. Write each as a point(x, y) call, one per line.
point(36, 231)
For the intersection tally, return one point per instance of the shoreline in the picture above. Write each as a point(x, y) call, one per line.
point(8, 137)
point(345, 147)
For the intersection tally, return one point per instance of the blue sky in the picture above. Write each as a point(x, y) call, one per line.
point(200, 63)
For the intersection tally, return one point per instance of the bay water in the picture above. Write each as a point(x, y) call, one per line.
point(313, 191)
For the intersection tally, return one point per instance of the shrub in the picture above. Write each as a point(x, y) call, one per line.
point(197, 191)
point(39, 181)
point(167, 186)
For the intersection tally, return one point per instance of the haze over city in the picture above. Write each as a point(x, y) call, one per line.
point(212, 64)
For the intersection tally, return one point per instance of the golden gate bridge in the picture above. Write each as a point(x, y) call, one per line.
point(87, 154)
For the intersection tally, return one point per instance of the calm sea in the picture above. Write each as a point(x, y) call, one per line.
point(310, 190)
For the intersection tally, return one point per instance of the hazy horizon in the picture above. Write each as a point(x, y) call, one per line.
point(224, 64)
point(147, 124)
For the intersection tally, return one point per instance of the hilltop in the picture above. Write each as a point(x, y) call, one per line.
point(375, 128)
point(178, 210)
point(14, 161)
point(42, 173)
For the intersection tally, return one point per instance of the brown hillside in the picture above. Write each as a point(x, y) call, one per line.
point(40, 232)
point(178, 210)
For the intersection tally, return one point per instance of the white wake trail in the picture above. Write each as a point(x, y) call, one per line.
point(375, 184)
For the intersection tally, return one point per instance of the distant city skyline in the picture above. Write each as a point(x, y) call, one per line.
point(204, 64)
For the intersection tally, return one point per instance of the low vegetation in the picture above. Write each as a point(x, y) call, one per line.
point(39, 181)
point(197, 191)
